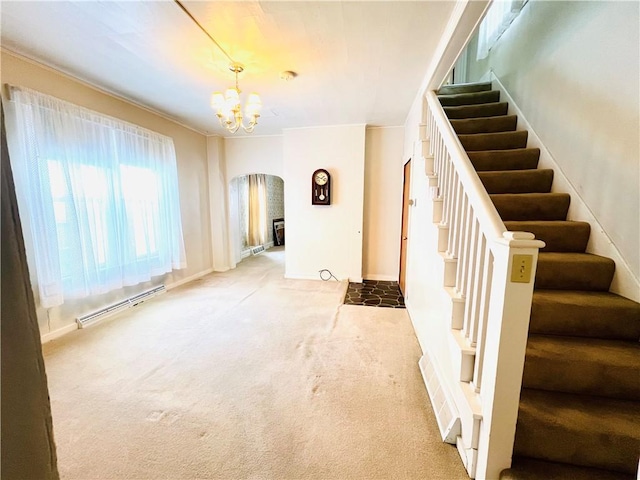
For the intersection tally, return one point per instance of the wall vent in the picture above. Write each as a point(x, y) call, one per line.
point(94, 317)
point(257, 250)
point(446, 414)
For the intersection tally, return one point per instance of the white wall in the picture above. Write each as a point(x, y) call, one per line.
point(382, 203)
point(221, 250)
point(191, 154)
point(573, 69)
point(321, 237)
point(254, 154)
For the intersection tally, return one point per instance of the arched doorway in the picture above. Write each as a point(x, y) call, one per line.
point(256, 214)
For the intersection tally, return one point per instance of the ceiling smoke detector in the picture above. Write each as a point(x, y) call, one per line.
point(288, 75)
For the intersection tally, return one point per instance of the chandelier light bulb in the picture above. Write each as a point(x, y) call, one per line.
point(217, 101)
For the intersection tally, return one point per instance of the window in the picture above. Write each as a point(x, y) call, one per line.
point(497, 19)
point(99, 196)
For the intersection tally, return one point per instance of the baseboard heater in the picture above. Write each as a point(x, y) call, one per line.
point(94, 317)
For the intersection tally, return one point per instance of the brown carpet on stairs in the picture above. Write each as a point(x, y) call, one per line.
point(515, 159)
point(579, 412)
point(501, 123)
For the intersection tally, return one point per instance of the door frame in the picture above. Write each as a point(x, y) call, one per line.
point(404, 229)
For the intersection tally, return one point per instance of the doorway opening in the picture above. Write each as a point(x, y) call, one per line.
point(256, 214)
point(406, 192)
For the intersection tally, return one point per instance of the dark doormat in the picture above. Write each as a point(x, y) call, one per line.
point(375, 293)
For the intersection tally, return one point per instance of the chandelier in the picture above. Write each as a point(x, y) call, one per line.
point(229, 109)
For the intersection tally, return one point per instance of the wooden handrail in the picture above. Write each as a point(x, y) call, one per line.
point(490, 221)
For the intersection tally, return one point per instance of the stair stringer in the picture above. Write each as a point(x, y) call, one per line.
point(624, 283)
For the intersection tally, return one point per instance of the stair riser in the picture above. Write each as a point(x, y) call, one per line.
point(505, 123)
point(569, 237)
point(494, 141)
point(505, 160)
point(476, 111)
point(542, 438)
point(566, 367)
point(605, 316)
point(544, 207)
point(526, 181)
point(529, 469)
point(469, 98)
point(464, 88)
point(573, 276)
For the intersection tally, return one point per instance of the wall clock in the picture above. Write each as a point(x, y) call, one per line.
point(321, 187)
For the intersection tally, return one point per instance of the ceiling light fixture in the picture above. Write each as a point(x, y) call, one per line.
point(229, 109)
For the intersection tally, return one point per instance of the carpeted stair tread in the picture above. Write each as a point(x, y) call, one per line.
point(530, 469)
point(531, 206)
point(574, 271)
point(475, 111)
point(589, 314)
point(464, 88)
point(472, 98)
point(494, 141)
point(559, 235)
point(501, 123)
point(579, 429)
point(517, 181)
point(514, 159)
point(588, 366)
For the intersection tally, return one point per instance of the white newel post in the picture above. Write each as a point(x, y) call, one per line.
point(506, 342)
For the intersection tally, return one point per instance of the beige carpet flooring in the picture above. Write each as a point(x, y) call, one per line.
point(246, 375)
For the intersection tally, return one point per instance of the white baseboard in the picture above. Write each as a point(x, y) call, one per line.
point(384, 278)
point(191, 278)
point(302, 277)
point(314, 277)
point(624, 281)
point(47, 337)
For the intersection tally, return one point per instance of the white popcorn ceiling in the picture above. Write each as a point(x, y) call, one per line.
point(357, 62)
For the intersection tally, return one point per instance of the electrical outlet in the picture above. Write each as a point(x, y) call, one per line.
point(521, 268)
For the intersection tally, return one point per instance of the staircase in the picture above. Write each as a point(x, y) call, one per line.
point(579, 414)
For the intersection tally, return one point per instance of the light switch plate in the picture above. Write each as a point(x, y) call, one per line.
point(521, 268)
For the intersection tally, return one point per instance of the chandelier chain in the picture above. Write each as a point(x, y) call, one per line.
point(184, 9)
point(228, 107)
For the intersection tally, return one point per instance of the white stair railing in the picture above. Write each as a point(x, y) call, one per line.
point(489, 273)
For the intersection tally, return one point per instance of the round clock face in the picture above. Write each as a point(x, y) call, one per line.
point(321, 178)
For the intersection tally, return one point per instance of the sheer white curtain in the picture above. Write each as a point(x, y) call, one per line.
point(497, 19)
point(100, 197)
